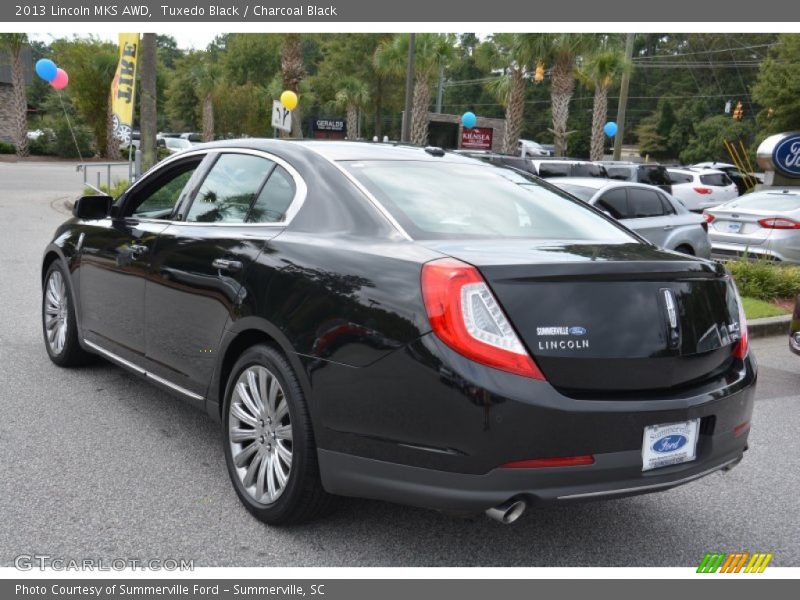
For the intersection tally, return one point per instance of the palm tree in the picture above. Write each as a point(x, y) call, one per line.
point(563, 50)
point(205, 77)
point(598, 73)
point(352, 95)
point(293, 72)
point(432, 50)
point(516, 54)
point(13, 43)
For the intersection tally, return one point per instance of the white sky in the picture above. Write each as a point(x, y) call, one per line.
point(188, 40)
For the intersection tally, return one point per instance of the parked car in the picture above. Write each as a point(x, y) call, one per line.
point(406, 325)
point(763, 224)
point(647, 210)
point(193, 137)
point(174, 144)
point(649, 173)
point(745, 182)
point(699, 189)
point(530, 148)
point(566, 167)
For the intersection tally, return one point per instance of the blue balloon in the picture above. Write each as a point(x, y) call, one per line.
point(46, 69)
point(469, 120)
point(610, 129)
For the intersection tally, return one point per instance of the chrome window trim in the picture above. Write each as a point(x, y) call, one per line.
point(137, 369)
point(300, 194)
point(372, 199)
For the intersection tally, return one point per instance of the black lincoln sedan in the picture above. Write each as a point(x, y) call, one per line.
point(404, 324)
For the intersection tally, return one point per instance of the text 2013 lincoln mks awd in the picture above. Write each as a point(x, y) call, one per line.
point(405, 324)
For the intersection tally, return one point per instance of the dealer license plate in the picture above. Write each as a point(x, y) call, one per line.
point(669, 444)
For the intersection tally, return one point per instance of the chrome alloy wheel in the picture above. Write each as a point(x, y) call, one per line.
point(56, 312)
point(260, 434)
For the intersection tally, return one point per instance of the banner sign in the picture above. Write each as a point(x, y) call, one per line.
point(123, 87)
point(477, 138)
point(328, 129)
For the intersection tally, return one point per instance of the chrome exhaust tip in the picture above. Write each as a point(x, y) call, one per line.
point(508, 512)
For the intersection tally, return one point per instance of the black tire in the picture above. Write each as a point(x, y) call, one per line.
point(71, 354)
point(302, 498)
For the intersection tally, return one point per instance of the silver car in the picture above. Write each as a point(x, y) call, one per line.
point(647, 210)
point(764, 224)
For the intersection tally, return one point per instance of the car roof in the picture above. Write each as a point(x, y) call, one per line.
point(599, 183)
point(695, 171)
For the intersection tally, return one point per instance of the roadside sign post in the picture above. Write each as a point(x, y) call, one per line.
point(281, 117)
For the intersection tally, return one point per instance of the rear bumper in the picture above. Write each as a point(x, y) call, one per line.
point(772, 251)
point(427, 447)
point(614, 475)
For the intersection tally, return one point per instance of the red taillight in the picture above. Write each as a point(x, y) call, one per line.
point(702, 190)
point(465, 315)
point(709, 217)
point(779, 223)
point(742, 346)
point(561, 461)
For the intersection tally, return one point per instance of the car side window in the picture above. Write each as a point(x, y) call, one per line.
point(644, 203)
point(158, 200)
point(680, 178)
point(669, 208)
point(615, 203)
point(620, 173)
point(229, 189)
point(274, 198)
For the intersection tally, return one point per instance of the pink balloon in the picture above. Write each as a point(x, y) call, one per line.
point(61, 79)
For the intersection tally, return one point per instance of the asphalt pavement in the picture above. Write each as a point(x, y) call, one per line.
point(96, 463)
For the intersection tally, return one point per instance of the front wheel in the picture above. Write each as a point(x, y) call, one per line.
point(59, 323)
point(268, 440)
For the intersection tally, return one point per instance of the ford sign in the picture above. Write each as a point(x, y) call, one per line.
point(577, 331)
point(786, 156)
point(669, 443)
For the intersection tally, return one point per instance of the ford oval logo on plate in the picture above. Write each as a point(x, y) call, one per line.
point(577, 331)
point(670, 443)
point(786, 156)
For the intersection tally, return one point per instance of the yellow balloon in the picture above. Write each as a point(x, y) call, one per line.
point(289, 100)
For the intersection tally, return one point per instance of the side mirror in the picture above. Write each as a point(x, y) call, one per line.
point(92, 207)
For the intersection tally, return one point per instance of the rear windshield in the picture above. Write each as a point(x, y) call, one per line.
point(771, 201)
point(434, 200)
point(654, 175)
point(715, 180)
point(621, 173)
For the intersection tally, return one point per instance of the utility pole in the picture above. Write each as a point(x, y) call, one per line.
point(147, 114)
point(406, 133)
point(623, 95)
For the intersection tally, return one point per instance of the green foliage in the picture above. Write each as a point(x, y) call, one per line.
point(91, 65)
point(765, 280)
point(7, 148)
point(708, 142)
point(242, 110)
point(64, 145)
point(778, 87)
point(118, 186)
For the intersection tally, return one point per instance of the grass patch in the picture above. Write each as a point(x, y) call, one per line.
point(757, 309)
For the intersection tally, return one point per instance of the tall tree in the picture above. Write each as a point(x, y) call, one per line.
point(599, 72)
point(13, 44)
point(148, 116)
point(777, 88)
point(562, 49)
point(516, 55)
point(432, 50)
point(293, 72)
point(351, 96)
point(205, 76)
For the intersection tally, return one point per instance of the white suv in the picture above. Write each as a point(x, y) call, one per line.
point(699, 189)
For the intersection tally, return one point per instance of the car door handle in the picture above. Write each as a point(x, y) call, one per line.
point(668, 227)
point(138, 250)
point(223, 264)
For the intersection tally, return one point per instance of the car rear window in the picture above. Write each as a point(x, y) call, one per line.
point(449, 200)
point(554, 169)
point(655, 175)
point(620, 173)
point(716, 180)
point(680, 177)
point(770, 201)
point(579, 191)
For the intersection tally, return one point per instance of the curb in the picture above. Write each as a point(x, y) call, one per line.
point(768, 326)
